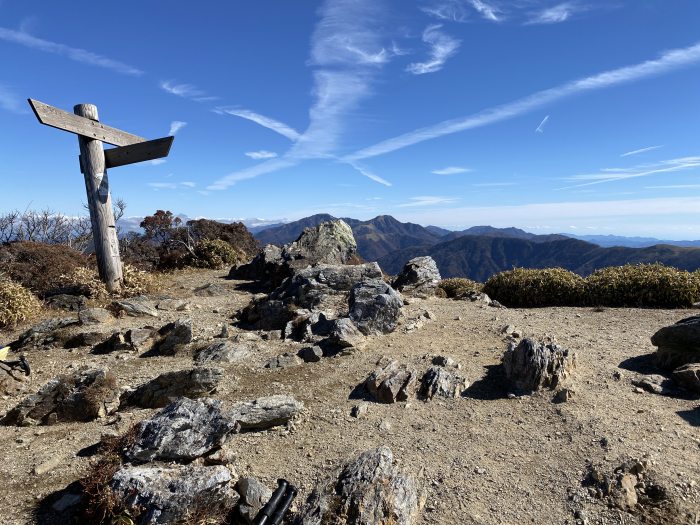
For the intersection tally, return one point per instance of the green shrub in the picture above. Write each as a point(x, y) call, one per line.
point(17, 304)
point(457, 286)
point(643, 285)
point(215, 254)
point(528, 288)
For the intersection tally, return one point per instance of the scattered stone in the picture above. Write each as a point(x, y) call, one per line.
point(360, 410)
point(158, 392)
point(385, 425)
point(311, 354)
point(265, 412)
point(439, 381)
point(345, 334)
point(477, 297)
point(254, 496)
point(91, 316)
point(511, 331)
point(368, 490)
point(168, 495)
point(225, 352)
point(81, 396)
point(174, 305)
point(183, 431)
point(141, 339)
point(73, 303)
point(678, 344)
point(136, 307)
point(43, 333)
point(419, 277)
point(85, 339)
point(391, 383)
point(114, 343)
point(628, 487)
point(688, 376)
point(266, 314)
point(563, 395)
point(656, 384)
point(375, 307)
point(444, 361)
point(284, 361)
point(173, 336)
point(530, 365)
point(12, 379)
point(47, 466)
point(211, 290)
point(223, 331)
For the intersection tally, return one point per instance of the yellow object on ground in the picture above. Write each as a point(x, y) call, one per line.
point(3, 352)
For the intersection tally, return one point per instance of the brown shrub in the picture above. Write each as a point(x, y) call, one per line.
point(457, 287)
point(531, 288)
point(17, 304)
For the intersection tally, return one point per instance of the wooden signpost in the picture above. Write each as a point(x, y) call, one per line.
point(94, 161)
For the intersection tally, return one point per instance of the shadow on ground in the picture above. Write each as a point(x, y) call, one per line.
point(642, 364)
point(490, 387)
point(691, 416)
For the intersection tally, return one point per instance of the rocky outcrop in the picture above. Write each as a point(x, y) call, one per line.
point(226, 352)
point(678, 344)
point(375, 307)
point(81, 396)
point(370, 490)
point(391, 383)
point(44, 333)
point(158, 392)
point(530, 365)
point(173, 337)
point(180, 494)
point(268, 267)
point(184, 430)
point(266, 314)
point(441, 382)
point(265, 412)
point(419, 277)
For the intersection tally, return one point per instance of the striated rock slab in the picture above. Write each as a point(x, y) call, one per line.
point(136, 307)
point(530, 365)
point(375, 307)
point(172, 337)
point(158, 392)
point(391, 383)
point(43, 333)
point(370, 490)
point(265, 412)
point(441, 382)
point(226, 352)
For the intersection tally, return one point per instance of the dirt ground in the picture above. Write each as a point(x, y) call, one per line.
point(483, 458)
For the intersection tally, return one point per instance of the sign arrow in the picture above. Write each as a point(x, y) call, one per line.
point(149, 150)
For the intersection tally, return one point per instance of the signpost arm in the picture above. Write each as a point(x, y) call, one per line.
point(100, 204)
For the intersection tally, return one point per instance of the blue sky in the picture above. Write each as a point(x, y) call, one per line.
point(574, 116)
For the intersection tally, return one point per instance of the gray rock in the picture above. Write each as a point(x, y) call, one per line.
point(678, 344)
point(43, 333)
point(345, 334)
point(178, 494)
point(211, 290)
point(141, 339)
point(173, 305)
point(530, 365)
point(136, 307)
point(688, 376)
point(267, 314)
point(254, 496)
point(375, 307)
point(81, 396)
point(12, 379)
point(441, 360)
point(370, 490)
point(66, 502)
point(226, 352)
point(268, 266)
point(419, 277)
point(656, 384)
point(158, 392)
point(91, 338)
point(311, 354)
point(563, 395)
point(439, 381)
point(73, 303)
point(284, 361)
point(92, 316)
point(330, 242)
point(184, 430)
point(391, 383)
point(173, 336)
point(265, 412)
point(114, 343)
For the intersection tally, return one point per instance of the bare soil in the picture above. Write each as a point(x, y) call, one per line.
point(483, 458)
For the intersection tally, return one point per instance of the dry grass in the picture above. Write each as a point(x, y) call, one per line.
point(17, 304)
point(527, 288)
point(456, 287)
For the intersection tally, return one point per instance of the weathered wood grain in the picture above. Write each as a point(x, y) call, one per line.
point(100, 204)
point(84, 127)
point(149, 150)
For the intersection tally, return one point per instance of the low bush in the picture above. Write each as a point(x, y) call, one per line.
point(216, 254)
point(643, 285)
point(457, 286)
point(87, 281)
point(528, 288)
point(17, 304)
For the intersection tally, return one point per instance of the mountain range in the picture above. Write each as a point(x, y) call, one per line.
point(480, 251)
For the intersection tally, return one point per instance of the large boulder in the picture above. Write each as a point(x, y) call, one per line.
point(268, 266)
point(83, 395)
point(530, 365)
point(391, 383)
point(370, 490)
point(375, 307)
point(158, 392)
point(179, 494)
point(678, 344)
point(183, 431)
point(419, 277)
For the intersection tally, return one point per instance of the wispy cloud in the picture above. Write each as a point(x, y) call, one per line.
point(638, 151)
point(186, 91)
point(492, 184)
point(556, 14)
point(667, 62)
point(369, 174)
point(171, 185)
point(262, 120)
point(175, 126)
point(157, 162)
point(451, 170)
point(261, 155)
point(9, 101)
point(442, 47)
point(674, 187)
point(427, 200)
point(644, 170)
point(448, 10)
point(73, 53)
point(489, 12)
point(269, 166)
point(540, 128)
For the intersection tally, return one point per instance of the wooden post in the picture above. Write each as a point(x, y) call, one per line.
point(104, 231)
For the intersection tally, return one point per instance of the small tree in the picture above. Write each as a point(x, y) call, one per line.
point(159, 226)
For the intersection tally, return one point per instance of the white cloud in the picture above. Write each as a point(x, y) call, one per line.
point(427, 200)
point(269, 166)
point(643, 170)
point(442, 47)
point(370, 175)
point(554, 15)
point(451, 170)
point(540, 128)
point(157, 162)
point(489, 12)
point(492, 184)
point(674, 187)
point(181, 90)
point(73, 53)
point(171, 185)
point(668, 61)
point(262, 120)
point(188, 184)
point(175, 126)
point(261, 155)
point(448, 10)
point(9, 101)
point(638, 151)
